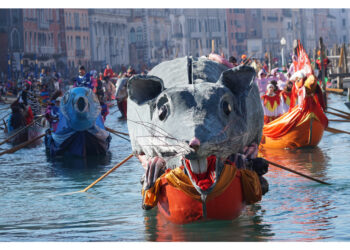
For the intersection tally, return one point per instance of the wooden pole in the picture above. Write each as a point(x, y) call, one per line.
point(22, 145)
point(107, 173)
point(212, 46)
point(336, 131)
point(10, 137)
point(322, 48)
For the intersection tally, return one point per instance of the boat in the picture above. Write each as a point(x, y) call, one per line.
point(304, 123)
point(80, 130)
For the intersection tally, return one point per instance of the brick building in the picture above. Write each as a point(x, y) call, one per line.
point(236, 32)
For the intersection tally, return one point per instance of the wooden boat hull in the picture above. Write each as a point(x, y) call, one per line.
point(180, 208)
point(308, 133)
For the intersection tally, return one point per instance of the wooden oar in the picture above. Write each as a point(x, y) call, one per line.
point(342, 116)
point(298, 173)
point(334, 120)
point(22, 145)
point(103, 176)
point(115, 132)
point(336, 131)
point(19, 131)
point(345, 113)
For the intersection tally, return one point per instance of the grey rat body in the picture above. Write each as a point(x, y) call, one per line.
point(193, 108)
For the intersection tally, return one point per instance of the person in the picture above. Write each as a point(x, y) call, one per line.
point(104, 108)
point(271, 103)
point(130, 72)
point(233, 60)
point(108, 72)
point(83, 79)
point(326, 62)
point(286, 95)
point(244, 59)
point(262, 82)
point(16, 119)
point(52, 113)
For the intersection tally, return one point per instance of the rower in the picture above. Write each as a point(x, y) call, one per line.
point(83, 79)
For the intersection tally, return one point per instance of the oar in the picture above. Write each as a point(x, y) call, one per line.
point(22, 145)
point(342, 116)
point(103, 176)
point(298, 173)
point(336, 131)
point(10, 137)
point(4, 108)
point(117, 133)
point(345, 113)
point(334, 120)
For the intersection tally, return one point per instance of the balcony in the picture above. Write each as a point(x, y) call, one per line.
point(79, 53)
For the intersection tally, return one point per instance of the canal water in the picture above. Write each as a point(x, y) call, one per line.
point(32, 207)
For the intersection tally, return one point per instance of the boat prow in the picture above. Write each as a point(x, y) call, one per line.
point(308, 132)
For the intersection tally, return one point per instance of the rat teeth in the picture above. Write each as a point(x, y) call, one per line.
point(199, 166)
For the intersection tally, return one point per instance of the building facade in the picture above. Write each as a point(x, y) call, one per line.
point(77, 38)
point(109, 37)
point(236, 32)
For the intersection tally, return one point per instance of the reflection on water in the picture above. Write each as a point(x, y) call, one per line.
point(295, 209)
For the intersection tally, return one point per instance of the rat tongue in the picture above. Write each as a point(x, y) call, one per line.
point(204, 180)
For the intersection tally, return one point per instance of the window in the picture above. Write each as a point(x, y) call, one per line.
point(139, 36)
point(77, 43)
point(76, 20)
point(132, 35)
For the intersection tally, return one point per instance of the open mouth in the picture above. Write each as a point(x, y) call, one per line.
point(202, 171)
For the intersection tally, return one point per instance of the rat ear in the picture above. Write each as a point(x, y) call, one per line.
point(239, 80)
point(144, 88)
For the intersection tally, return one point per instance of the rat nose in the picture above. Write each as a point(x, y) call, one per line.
point(195, 143)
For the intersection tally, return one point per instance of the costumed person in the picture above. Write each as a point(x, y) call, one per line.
point(84, 79)
point(271, 103)
point(16, 119)
point(308, 114)
point(244, 59)
point(276, 88)
point(108, 72)
point(104, 108)
point(52, 110)
point(262, 82)
point(233, 61)
point(286, 95)
point(326, 63)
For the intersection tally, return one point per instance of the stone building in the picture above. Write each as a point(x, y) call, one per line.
point(109, 37)
point(77, 38)
point(236, 32)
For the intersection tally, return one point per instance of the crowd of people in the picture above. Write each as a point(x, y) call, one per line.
point(32, 95)
point(275, 87)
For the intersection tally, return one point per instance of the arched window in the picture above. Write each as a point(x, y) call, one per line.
point(132, 35)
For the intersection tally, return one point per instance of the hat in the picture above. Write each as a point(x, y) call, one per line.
point(243, 56)
point(319, 52)
point(270, 85)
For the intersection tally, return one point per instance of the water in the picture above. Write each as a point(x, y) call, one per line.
point(295, 209)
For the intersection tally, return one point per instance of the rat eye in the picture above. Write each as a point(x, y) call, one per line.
point(163, 112)
point(226, 107)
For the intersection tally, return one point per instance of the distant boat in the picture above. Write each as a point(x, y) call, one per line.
point(80, 130)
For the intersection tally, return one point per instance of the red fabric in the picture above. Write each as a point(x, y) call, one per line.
point(205, 180)
point(108, 73)
point(303, 61)
point(286, 122)
point(286, 94)
point(29, 117)
point(271, 99)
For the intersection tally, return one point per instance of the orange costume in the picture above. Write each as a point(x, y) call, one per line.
point(272, 107)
